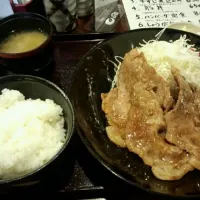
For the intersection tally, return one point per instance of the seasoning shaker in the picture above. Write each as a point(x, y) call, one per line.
point(62, 14)
point(84, 7)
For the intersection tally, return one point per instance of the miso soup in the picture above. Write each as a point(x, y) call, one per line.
point(18, 42)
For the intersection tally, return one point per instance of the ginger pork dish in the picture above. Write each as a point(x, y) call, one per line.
point(154, 108)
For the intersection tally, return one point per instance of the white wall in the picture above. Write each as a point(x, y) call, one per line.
point(5, 8)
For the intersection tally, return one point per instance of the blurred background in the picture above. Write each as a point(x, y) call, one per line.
point(76, 16)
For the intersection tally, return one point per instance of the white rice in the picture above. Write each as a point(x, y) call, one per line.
point(31, 133)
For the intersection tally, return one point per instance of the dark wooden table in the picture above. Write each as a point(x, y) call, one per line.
point(86, 179)
point(81, 176)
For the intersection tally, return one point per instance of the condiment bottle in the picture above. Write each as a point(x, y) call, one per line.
point(84, 7)
point(62, 13)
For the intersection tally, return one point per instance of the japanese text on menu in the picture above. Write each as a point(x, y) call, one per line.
point(160, 13)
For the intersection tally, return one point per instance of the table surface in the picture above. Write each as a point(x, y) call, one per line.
point(86, 179)
point(81, 176)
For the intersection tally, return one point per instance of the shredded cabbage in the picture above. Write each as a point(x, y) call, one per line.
point(164, 55)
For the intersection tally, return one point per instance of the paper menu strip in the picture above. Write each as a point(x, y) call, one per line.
point(160, 13)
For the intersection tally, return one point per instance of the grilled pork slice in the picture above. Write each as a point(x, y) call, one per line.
point(183, 127)
point(116, 109)
point(136, 69)
point(145, 122)
point(135, 115)
point(116, 105)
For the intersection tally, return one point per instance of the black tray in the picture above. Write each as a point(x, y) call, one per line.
point(85, 178)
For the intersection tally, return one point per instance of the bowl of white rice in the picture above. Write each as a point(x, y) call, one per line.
point(36, 125)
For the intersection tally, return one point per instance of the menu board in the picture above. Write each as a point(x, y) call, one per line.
point(160, 13)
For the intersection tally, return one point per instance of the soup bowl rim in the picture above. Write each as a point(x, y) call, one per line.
point(32, 51)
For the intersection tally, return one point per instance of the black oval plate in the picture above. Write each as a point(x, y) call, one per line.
point(93, 76)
